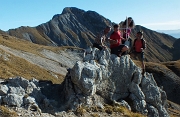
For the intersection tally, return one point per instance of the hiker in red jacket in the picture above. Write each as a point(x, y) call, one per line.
point(138, 48)
point(115, 42)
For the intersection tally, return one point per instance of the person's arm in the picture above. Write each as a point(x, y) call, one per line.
point(103, 41)
point(112, 41)
point(144, 44)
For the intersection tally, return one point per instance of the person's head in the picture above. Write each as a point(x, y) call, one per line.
point(116, 27)
point(139, 35)
point(130, 21)
point(107, 29)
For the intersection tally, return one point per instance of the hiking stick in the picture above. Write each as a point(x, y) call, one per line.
point(126, 27)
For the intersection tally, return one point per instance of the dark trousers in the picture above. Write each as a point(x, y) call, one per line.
point(117, 50)
point(97, 46)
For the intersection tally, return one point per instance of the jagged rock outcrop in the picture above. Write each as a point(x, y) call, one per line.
point(167, 77)
point(103, 78)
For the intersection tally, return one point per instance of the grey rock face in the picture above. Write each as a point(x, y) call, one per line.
point(16, 92)
point(3, 90)
point(13, 100)
point(103, 77)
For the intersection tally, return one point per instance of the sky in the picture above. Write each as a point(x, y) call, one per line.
point(152, 14)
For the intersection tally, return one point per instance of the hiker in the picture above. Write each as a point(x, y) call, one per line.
point(127, 26)
point(101, 38)
point(115, 42)
point(138, 49)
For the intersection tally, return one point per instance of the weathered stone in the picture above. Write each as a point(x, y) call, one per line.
point(3, 90)
point(1, 99)
point(13, 100)
point(122, 103)
point(18, 81)
point(112, 78)
point(152, 111)
point(17, 90)
point(136, 90)
point(29, 100)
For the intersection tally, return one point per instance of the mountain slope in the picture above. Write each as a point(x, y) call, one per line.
point(176, 50)
point(76, 27)
point(22, 58)
point(174, 33)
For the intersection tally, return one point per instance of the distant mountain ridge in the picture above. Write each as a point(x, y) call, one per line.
point(174, 33)
point(76, 27)
point(73, 27)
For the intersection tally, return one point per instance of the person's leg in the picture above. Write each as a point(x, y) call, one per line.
point(141, 58)
point(122, 49)
point(114, 50)
point(97, 46)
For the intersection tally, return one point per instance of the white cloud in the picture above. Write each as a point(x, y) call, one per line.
point(170, 25)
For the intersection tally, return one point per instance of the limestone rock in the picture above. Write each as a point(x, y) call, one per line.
point(13, 100)
point(104, 78)
point(3, 90)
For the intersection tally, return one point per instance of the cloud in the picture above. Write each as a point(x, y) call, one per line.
point(163, 25)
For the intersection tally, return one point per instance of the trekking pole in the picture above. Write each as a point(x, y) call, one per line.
point(126, 27)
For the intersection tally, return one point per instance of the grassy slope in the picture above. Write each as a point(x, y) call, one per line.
point(16, 66)
point(174, 66)
point(38, 37)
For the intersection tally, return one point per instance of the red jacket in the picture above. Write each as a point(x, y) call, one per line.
point(116, 36)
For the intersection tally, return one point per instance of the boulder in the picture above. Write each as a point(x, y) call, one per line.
point(13, 100)
point(106, 78)
point(3, 90)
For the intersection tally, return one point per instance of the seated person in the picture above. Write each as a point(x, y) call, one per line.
point(101, 38)
point(115, 42)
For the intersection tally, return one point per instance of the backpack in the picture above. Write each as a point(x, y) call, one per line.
point(143, 43)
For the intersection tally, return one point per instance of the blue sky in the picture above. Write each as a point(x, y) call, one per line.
point(153, 14)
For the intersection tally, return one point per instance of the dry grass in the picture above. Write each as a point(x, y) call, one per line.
point(107, 109)
point(120, 109)
point(95, 115)
point(173, 109)
point(26, 46)
point(174, 113)
point(80, 111)
point(16, 66)
point(74, 35)
point(36, 35)
point(174, 66)
point(4, 112)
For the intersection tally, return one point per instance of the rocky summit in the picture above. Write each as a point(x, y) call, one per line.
point(101, 78)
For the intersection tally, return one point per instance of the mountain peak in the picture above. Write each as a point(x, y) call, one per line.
point(72, 10)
